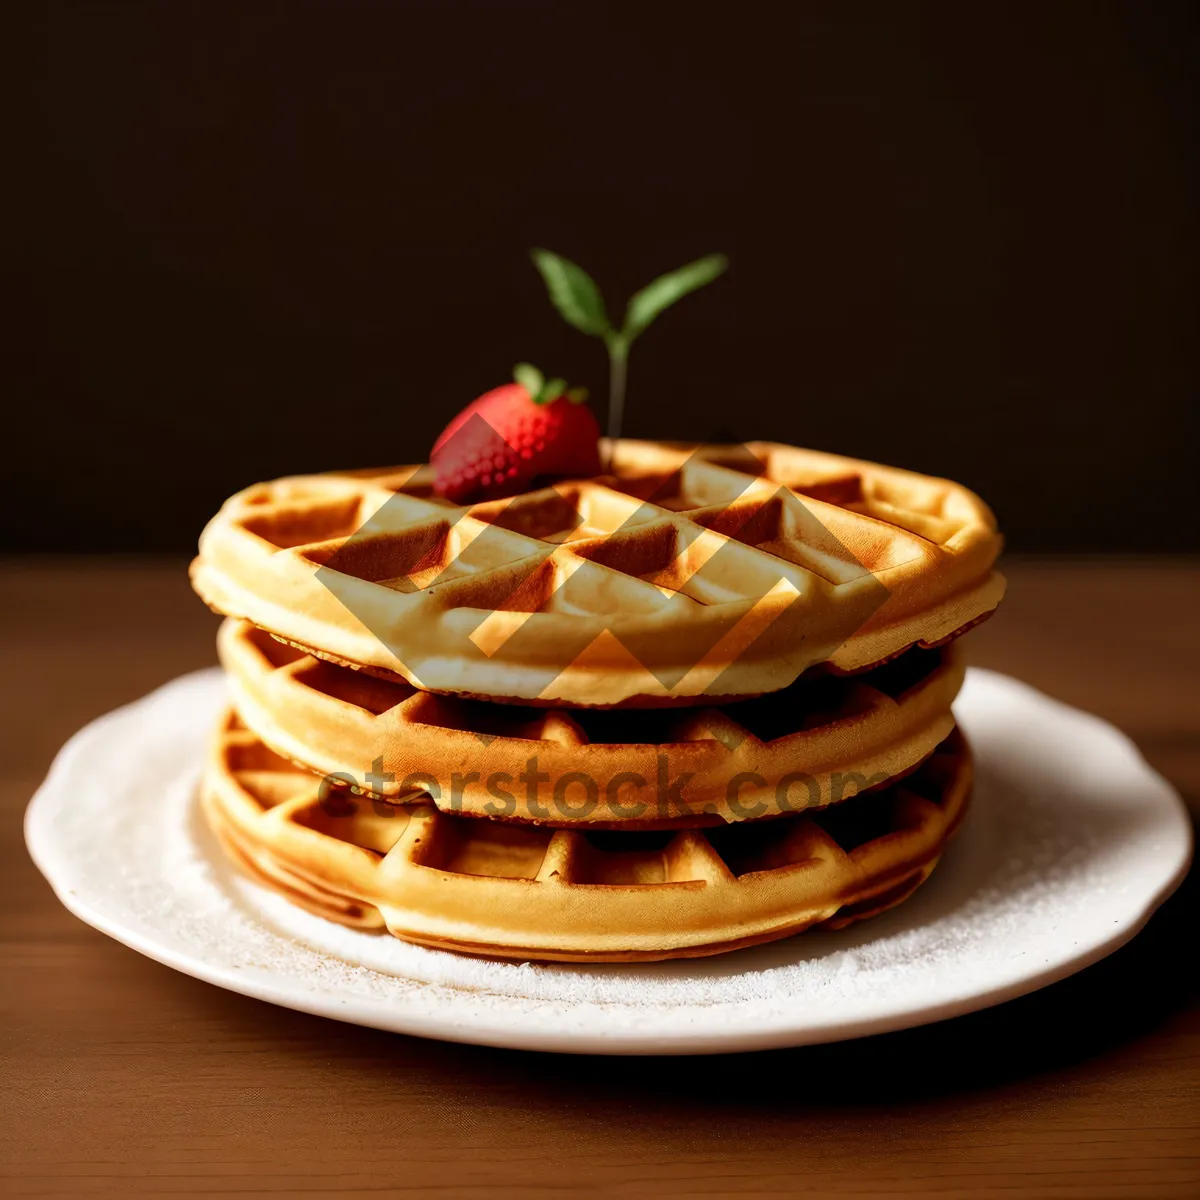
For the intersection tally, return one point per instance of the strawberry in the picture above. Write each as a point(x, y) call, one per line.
point(499, 443)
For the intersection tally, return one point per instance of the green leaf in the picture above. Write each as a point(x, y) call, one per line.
point(573, 293)
point(577, 395)
point(655, 297)
point(551, 392)
point(530, 378)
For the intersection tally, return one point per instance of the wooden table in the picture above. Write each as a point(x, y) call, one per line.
point(122, 1077)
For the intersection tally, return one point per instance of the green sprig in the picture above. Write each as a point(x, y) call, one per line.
point(578, 300)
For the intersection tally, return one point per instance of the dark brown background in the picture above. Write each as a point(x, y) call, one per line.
point(249, 239)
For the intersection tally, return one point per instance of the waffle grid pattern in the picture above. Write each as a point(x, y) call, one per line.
point(832, 736)
point(686, 574)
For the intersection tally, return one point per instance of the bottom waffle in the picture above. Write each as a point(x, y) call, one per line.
point(510, 891)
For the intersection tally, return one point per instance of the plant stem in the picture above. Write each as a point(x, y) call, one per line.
point(618, 355)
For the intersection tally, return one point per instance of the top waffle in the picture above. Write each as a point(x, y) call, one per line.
point(686, 574)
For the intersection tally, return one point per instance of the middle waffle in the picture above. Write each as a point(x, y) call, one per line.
point(818, 742)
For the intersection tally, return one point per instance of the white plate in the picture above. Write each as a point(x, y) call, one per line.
point(1071, 844)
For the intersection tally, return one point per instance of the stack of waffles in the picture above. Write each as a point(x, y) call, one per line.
point(698, 702)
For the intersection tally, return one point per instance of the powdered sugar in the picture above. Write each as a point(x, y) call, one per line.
point(1070, 843)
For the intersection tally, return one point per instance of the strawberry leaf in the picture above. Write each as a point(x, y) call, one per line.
point(664, 291)
point(530, 378)
point(551, 392)
point(574, 293)
point(577, 395)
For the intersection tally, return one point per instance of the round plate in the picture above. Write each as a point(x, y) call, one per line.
point(1071, 843)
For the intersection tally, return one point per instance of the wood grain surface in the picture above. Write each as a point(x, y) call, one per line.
point(122, 1077)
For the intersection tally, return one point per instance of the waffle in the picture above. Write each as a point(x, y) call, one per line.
point(686, 575)
point(526, 892)
point(812, 744)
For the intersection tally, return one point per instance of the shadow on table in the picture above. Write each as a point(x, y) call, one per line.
point(1111, 1004)
point(1121, 998)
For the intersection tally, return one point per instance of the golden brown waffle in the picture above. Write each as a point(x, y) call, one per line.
point(686, 575)
point(816, 742)
point(526, 892)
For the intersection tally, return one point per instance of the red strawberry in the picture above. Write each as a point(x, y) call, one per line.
point(499, 443)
